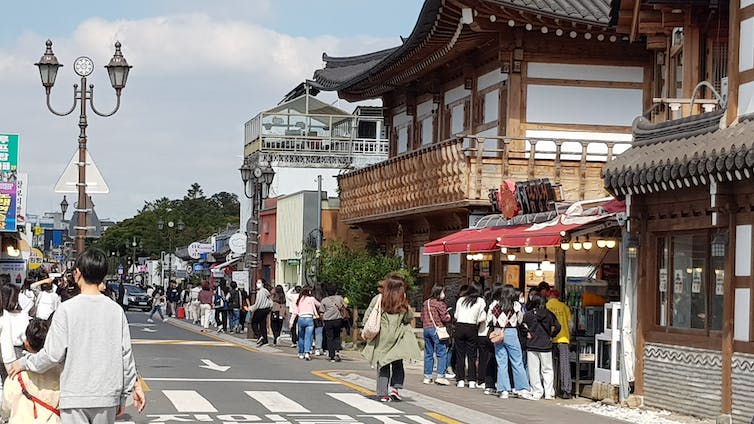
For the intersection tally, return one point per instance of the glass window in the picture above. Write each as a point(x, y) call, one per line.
point(717, 264)
point(402, 139)
point(689, 290)
point(491, 106)
point(427, 130)
point(456, 120)
point(662, 281)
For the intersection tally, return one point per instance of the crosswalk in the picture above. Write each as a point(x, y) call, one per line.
point(270, 406)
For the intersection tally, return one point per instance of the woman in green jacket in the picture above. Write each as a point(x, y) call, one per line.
point(396, 341)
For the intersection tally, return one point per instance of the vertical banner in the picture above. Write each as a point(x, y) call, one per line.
point(8, 157)
point(7, 206)
point(22, 187)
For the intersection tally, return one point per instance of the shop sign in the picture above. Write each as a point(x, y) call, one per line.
point(293, 262)
point(196, 249)
point(237, 243)
point(35, 259)
point(8, 194)
point(22, 184)
point(16, 269)
point(8, 156)
point(198, 268)
point(535, 196)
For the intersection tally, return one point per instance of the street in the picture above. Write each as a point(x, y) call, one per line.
point(188, 381)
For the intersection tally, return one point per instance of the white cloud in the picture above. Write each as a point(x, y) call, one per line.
point(195, 81)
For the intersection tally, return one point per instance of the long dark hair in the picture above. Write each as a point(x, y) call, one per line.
point(9, 298)
point(471, 296)
point(278, 295)
point(437, 290)
point(537, 303)
point(305, 292)
point(508, 297)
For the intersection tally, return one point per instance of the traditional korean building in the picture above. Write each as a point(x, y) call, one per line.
point(687, 182)
point(481, 92)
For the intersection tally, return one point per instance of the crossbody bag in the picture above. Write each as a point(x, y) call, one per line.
point(442, 332)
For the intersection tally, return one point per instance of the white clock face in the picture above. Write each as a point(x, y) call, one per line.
point(257, 172)
point(83, 66)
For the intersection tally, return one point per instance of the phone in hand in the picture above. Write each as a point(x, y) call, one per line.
point(55, 274)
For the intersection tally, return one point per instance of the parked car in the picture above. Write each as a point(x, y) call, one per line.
point(137, 297)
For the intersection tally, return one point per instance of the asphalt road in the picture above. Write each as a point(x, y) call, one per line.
point(188, 381)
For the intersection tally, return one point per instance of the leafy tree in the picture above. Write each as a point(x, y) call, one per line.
point(357, 272)
point(201, 216)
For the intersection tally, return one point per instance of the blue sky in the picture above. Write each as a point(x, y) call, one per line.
point(201, 69)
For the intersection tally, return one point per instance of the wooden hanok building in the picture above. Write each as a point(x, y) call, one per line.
point(688, 186)
point(480, 92)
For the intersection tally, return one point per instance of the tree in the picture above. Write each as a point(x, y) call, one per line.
point(357, 272)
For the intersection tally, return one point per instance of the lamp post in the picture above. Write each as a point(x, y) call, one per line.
point(259, 175)
point(117, 70)
point(63, 207)
point(172, 227)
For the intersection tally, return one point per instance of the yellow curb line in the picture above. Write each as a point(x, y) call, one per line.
point(324, 374)
point(442, 418)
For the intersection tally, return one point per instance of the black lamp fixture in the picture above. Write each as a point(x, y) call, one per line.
point(64, 206)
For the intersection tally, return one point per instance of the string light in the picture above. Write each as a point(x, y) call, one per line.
point(528, 249)
point(587, 244)
point(503, 250)
point(576, 244)
point(565, 246)
point(610, 244)
point(601, 243)
point(511, 257)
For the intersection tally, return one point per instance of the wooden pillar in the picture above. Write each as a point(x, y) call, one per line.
point(515, 112)
point(643, 296)
point(726, 398)
point(691, 59)
point(734, 45)
point(560, 269)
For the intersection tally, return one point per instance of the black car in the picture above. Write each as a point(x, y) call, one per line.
point(137, 297)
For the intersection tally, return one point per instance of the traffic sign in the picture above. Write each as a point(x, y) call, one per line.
point(198, 268)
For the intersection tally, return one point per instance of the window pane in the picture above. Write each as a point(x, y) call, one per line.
point(662, 280)
point(719, 250)
point(689, 285)
point(456, 122)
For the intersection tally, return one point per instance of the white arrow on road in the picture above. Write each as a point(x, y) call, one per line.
point(149, 330)
point(213, 366)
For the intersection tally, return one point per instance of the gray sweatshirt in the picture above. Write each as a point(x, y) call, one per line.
point(89, 336)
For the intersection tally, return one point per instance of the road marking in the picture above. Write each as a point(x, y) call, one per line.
point(189, 401)
point(442, 418)
point(363, 404)
point(276, 402)
point(324, 374)
point(238, 380)
point(148, 330)
point(419, 419)
point(181, 342)
point(207, 334)
point(213, 366)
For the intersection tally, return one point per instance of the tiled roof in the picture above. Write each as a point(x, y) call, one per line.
point(654, 166)
point(339, 70)
point(594, 11)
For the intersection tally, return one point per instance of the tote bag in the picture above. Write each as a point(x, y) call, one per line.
point(372, 324)
point(442, 332)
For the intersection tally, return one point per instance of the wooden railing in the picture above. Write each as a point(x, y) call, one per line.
point(459, 172)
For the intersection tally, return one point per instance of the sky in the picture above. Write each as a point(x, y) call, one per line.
point(200, 70)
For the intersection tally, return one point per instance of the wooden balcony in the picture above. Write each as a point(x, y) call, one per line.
point(460, 172)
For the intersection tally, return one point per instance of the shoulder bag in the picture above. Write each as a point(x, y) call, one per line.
point(497, 335)
point(442, 332)
point(345, 314)
point(372, 324)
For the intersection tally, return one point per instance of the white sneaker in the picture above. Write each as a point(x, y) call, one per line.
point(300, 356)
point(307, 357)
point(166, 320)
point(442, 381)
point(317, 352)
point(461, 384)
point(450, 374)
point(525, 394)
point(472, 384)
point(150, 320)
point(549, 397)
point(427, 381)
point(503, 395)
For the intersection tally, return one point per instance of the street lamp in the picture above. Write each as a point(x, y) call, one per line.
point(117, 70)
point(172, 227)
point(63, 207)
point(259, 176)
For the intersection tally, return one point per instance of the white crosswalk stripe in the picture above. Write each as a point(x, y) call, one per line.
point(188, 401)
point(276, 401)
point(363, 404)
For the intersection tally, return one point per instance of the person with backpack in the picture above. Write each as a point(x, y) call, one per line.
point(47, 301)
point(173, 296)
point(234, 307)
point(220, 302)
point(333, 312)
point(158, 301)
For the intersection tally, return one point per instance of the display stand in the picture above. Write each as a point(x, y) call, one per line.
point(584, 358)
point(608, 345)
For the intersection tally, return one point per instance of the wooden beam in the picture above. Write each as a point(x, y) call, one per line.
point(734, 45)
point(657, 42)
point(691, 58)
point(726, 398)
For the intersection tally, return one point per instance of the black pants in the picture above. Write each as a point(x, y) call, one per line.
point(259, 323)
point(487, 364)
point(332, 335)
point(391, 374)
point(221, 317)
point(276, 322)
point(466, 351)
point(294, 331)
point(242, 317)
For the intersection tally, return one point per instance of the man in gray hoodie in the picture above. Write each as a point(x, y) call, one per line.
point(89, 336)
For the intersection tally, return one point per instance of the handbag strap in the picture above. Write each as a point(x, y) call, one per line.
point(429, 309)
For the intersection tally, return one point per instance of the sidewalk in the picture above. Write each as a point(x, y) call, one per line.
point(464, 405)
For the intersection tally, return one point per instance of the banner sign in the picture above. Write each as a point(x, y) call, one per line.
point(8, 194)
point(195, 249)
point(16, 269)
point(22, 185)
point(535, 196)
point(8, 157)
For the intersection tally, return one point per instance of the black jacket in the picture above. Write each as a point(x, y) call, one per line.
point(542, 327)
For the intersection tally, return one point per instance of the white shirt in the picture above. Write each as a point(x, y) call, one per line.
point(26, 300)
point(48, 302)
point(194, 294)
point(473, 314)
point(12, 333)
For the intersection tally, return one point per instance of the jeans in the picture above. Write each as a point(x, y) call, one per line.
point(433, 345)
point(158, 309)
point(305, 333)
point(541, 374)
point(391, 374)
point(318, 333)
point(510, 349)
point(235, 316)
point(332, 329)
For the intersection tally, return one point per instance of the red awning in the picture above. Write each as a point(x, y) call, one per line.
point(544, 234)
point(469, 240)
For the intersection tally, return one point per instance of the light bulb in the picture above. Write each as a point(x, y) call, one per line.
point(511, 257)
point(539, 272)
point(545, 263)
point(576, 245)
point(565, 246)
point(587, 245)
point(610, 244)
point(503, 250)
point(601, 243)
point(528, 249)
point(469, 257)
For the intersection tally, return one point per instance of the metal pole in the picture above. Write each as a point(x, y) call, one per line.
point(82, 203)
point(319, 213)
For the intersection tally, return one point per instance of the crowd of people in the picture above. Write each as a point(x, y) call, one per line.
point(499, 340)
point(59, 364)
